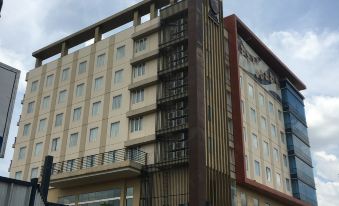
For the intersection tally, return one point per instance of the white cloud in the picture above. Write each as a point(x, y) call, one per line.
point(327, 193)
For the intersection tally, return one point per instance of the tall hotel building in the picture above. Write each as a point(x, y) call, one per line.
point(184, 108)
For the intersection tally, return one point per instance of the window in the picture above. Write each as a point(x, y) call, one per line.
point(255, 141)
point(278, 178)
point(49, 80)
point(27, 128)
point(115, 129)
point(58, 120)
point(73, 140)
point(268, 174)
point(93, 133)
point(263, 122)
point(139, 70)
point(250, 91)
point(118, 76)
point(120, 52)
point(98, 83)
point(109, 197)
point(70, 165)
point(80, 90)
point(62, 96)
point(140, 45)
point(276, 154)
point(136, 124)
point(255, 202)
point(96, 108)
point(282, 137)
point(285, 160)
point(34, 86)
point(288, 185)
point(55, 144)
point(101, 60)
point(273, 131)
point(242, 107)
point(246, 162)
point(18, 175)
point(257, 168)
point(82, 67)
point(34, 172)
point(240, 80)
point(116, 104)
point(137, 96)
point(266, 149)
point(22, 153)
point(90, 161)
point(38, 148)
point(261, 100)
point(42, 125)
point(65, 74)
point(45, 102)
point(30, 107)
point(280, 115)
point(244, 132)
point(253, 115)
point(243, 199)
point(77, 114)
point(267, 204)
point(129, 196)
point(270, 107)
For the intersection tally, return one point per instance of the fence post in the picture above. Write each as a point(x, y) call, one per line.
point(46, 176)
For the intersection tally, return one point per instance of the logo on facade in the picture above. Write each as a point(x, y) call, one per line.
point(215, 10)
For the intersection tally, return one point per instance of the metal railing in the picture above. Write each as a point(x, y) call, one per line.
point(106, 158)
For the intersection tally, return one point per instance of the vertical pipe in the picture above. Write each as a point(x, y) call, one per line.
point(46, 176)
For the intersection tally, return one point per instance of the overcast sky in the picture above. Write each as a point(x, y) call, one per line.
point(303, 33)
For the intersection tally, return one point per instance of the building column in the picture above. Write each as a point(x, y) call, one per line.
point(137, 18)
point(38, 62)
point(153, 11)
point(97, 35)
point(64, 49)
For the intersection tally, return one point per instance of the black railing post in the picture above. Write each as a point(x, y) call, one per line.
point(46, 176)
point(34, 183)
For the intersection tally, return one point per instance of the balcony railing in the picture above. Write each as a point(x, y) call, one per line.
point(174, 38)
point(172, 94)
point(106, 158)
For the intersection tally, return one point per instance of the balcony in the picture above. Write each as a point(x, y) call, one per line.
point(171, 95)
point(108, 166)
point(173, 38)
point(173, 65)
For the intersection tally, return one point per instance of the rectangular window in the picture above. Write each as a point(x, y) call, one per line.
point(93, 133)
point(285, 160)
point(129, 196)
point(118, 76)
point(140, 45)
point(96, 108)
point(77, 114)
point(120, 52)
point(270, 107)
point(136, 124)
point(257, 168)
point(27, 128)
point(82, 67)
point(261, 100)
point(55, 144)
point(243, 199)
point(276, 154)
point(45, 102)
point(242, 107)
point(30, 107)
point(18, 175)
point(263, 123)
point(280, 116)
point(246, 162)
point(240, 80)
point(255, 141)
point(282, 137)
point(273, 131)
point(278, 178)
point(73, 140)
point(253, 115)
point(139, 70)
point(288, 185)
point(62, 97)
point(58, 120)
point(38, 148)
point(22, 153)
point(65, 74)
point(98, 83)
point(266, 149)
point(244, 133)
point(268, 174)
point(80, 90)
point(116, 104)
point(90, 161)
point(49, 80)
point(70, 165)
point(34, 86)
point(34, 172)
point(115, 129)
point(101, 60)
point(250, 91)
point(137, 96)
point(255, 202)
point(42, 125)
